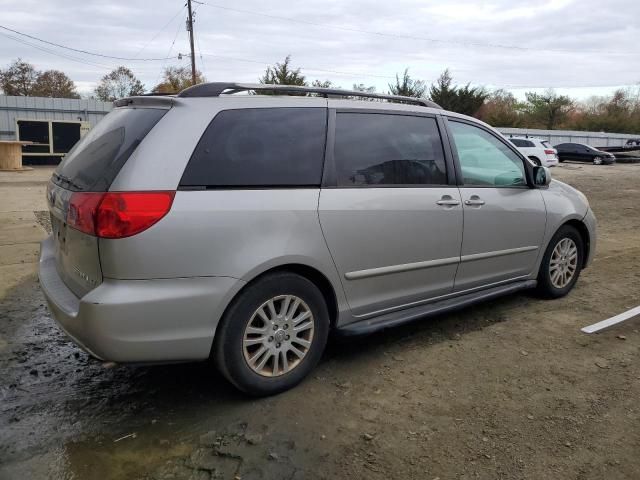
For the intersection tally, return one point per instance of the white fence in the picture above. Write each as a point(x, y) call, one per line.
point(595, 139)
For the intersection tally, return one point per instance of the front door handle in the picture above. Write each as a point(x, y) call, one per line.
point(474, 200)
point(448, 201)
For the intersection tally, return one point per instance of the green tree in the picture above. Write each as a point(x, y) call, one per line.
point(548, 109)
point(119, 83)
point(176, 79)
point(54, 83)
point(361, 87)
point(466, 100)
point(283, 74)
point(322, 84)
point(407, 86)
point(443, 92)
point(19, 78)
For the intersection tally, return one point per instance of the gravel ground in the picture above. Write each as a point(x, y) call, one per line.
point(510, 389)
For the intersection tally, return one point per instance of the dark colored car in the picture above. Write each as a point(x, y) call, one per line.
point(584, 153)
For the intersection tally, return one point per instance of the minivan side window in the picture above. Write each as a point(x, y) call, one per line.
point(375, 149)
point(522, 143)
point(260, 147)
point(485, 160)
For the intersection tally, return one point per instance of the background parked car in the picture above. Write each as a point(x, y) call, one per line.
point(584, 153)
point(538, 151)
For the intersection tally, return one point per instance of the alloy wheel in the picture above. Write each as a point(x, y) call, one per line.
point(278, 336)
point(563, 263)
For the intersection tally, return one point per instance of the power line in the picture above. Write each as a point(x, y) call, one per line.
point(84, 51)
point(53, 52)
point(168, 55)
point(411, 37)
point(261, 62)
point(160, 31)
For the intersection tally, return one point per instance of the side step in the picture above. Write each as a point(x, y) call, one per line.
point(370, 325)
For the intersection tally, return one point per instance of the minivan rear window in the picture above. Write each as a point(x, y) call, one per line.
point(93, 163)
point(260, 147)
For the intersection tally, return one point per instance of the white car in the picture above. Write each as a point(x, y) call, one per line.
point(538, 151)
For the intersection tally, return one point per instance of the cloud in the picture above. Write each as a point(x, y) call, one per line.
point(553, 43)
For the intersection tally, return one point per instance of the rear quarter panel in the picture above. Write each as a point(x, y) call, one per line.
point(228, 233)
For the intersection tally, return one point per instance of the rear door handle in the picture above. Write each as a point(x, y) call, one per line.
point(474, 200)
point(448, 201)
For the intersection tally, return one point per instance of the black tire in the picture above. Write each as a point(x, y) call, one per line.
point(546, 287)
point(536, 160)
point(229, 350)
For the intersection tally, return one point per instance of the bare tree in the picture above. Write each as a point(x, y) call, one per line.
point(121, 82)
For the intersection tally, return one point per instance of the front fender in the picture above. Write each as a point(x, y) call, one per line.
point(566, 204)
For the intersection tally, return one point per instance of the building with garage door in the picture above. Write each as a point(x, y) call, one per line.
point(52, 125)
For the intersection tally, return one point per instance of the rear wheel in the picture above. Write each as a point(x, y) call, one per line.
point(561, 264)
point(273, 334)
point(536, 160)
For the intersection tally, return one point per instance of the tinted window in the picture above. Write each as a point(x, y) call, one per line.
point(484, 159)
point(521, 143)
point(93, 163)
point(260, 147)
point(379, 149)
point(546, 144)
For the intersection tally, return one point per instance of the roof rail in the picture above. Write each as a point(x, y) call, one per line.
point(215, 89)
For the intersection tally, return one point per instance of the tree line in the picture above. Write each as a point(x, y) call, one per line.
point(23, 79)
point(618, 113)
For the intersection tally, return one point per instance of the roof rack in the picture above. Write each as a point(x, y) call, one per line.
point(215, 89)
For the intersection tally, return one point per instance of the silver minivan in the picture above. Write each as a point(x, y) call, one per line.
point(246, 228)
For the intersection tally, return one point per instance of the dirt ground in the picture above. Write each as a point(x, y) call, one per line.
point(507, 390)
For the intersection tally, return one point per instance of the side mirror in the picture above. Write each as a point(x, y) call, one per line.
point(541, 176)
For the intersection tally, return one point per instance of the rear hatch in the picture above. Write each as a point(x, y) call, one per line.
point(91, 166)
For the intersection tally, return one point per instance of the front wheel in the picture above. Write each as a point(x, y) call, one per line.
point(597, 160)
point(561, 264)
point(273, 334)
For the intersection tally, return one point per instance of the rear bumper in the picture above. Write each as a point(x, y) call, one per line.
point(160, 320)
point(551, 160)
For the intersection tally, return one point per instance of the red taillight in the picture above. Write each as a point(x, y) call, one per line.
point(550, 152)
point(117, 214)
point(81, 213)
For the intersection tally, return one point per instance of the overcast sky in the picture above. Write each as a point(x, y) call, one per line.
point(582, 48)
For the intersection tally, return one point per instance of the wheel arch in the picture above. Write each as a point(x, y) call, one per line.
point(586, 238)
point(312, 274)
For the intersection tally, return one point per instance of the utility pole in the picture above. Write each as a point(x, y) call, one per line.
point(193, 54)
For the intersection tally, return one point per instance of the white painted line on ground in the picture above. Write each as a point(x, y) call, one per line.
point(596, 327)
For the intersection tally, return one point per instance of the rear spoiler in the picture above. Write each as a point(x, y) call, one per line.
point(165, 101)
